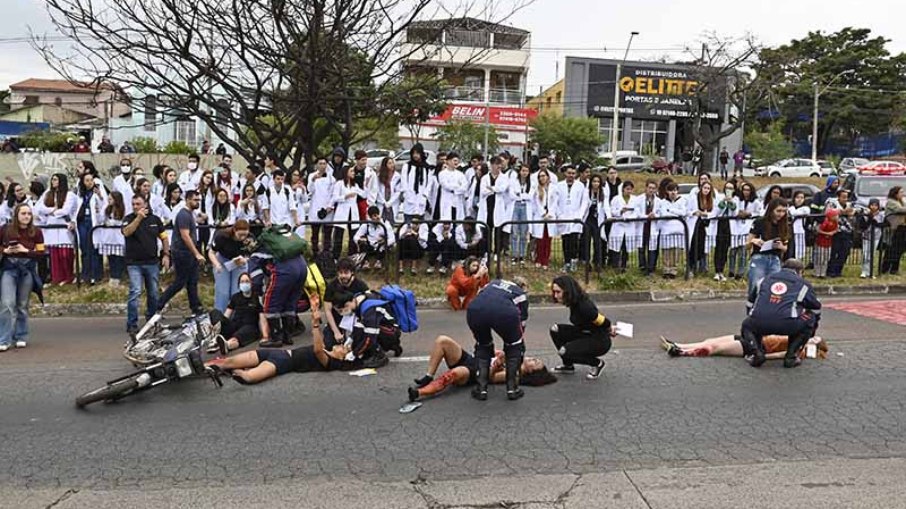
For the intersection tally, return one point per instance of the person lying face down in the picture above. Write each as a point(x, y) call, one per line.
point(731, 346)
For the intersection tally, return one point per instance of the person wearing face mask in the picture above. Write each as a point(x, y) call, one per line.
point(189, 179)
point(122, 181)
point(228, 255)
point(242, 321)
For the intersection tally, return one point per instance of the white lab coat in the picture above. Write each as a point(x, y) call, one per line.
point(639, 202)
point(628, 232)
point(390, 198)
point(374, 233)
point(460, 235)
point(541, 209)
point(280, 204)
point(572, 204)
point(69, 208)
point(346, 209)
point(453, 188)
point(320, 191)
point(416, 202)
point(692, 221)
point(108, 240)
point(603, 212)
point(502, 190)
point(189, 180)
point(740, 228)
point(672, 232)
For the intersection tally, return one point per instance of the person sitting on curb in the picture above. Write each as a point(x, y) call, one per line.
point(462, 369)
point(731, 346)
point(257, 366)
point(467, 279)
point(243, 321)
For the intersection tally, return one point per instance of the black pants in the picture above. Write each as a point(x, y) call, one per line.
point(245, 333)
point(722, 246)
point(890, 262)
point(316, 236)
point(591, 239)
point(647, 257)
point(445, 249)
point(619, 259)
point(576, 346)
point(501, 241)
point(371, 252)
point(338, 241)
point(796, 329)
point(571, 246)
point(185, 267)
point(841, 244)
point(500, 316)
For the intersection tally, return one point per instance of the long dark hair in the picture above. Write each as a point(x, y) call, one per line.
point(169, 193)
point(138, 186)
point(57, 197)
point(600, 180)
point(384, 173)
point(11, 195)
point(14, 225)
point(767, 195)
point(572, 290)
point(245, 208)
point(220, 211)
point(537, 378)
point(894, 191)
point(780, 230)
point(741, 193)
point(116, 209)
point(83, 190)
point(706, 202)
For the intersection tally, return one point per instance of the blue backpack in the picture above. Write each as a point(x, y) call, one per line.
point(402, 304)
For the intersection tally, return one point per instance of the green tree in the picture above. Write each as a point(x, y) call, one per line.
point(45, 141)
point(770, 145)
point(467, 137)
point(863, 97)
point(145, 145)
point(177, 147)
point(572, 138)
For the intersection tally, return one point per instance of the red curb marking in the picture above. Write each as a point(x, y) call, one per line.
point(893, 311)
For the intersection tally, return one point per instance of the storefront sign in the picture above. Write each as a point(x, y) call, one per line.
point(656, 93)
point(494, 115)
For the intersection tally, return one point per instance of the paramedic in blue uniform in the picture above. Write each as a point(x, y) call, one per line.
point(782, 303)
point(280, 284)
point(375, 331)
point(501, 307)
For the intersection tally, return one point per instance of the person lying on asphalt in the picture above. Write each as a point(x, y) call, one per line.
point(259, 365)
point(731, 346)
point(462, 369)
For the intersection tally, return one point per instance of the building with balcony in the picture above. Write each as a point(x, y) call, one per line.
point(484, 67)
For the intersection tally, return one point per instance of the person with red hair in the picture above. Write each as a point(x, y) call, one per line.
point(467, 279)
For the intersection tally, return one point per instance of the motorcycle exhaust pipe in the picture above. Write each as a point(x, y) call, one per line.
point(151, 323)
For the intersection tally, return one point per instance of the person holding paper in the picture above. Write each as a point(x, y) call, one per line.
point(259, 365)
point(731, 346)
point(228, 254)
point(769, 237)
point(588, 335)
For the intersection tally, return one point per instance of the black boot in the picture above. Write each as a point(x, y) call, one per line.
point(289, 326)
point(276, 334)
point(755, 346)
point(795, 344)
point(513, 363)
point(480, 392)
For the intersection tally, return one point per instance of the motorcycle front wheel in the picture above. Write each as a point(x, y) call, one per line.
point(109, 392)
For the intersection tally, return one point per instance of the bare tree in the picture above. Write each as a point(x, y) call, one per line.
point(264, 75)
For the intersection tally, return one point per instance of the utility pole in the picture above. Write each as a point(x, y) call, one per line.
point(818, 92)
point(616, 102)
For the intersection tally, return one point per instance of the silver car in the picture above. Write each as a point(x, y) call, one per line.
point(851, 165)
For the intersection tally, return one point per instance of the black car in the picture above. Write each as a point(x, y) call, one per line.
point(788, 189)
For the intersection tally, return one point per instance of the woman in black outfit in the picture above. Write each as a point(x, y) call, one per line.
point(587, 337)
point(243, 321)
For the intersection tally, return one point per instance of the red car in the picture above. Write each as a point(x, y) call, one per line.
point(883, 168)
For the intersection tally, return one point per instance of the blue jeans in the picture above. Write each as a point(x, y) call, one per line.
point(140, 276)
point(185, 267)
point(92, 262)
point(737, 260)
point(761, 267)
point(519, 238)
point(15, 289)
point(226, 284)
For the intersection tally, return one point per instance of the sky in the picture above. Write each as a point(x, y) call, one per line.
point(587, 28)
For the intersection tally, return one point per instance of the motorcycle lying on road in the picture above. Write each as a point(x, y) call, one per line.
point(163, 354)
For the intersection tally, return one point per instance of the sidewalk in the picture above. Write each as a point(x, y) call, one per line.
point(843, 483)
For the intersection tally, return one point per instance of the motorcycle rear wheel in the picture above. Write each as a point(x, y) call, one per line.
point(107, 393)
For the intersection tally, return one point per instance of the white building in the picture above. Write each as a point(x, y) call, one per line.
point(161, 119)
point(485, 66)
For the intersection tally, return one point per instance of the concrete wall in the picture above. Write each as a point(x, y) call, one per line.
point(24, 166)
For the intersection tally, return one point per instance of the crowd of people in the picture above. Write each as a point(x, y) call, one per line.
point(447, 217)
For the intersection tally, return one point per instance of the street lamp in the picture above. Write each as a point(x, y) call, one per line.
point(616, 102)
point(818, 92)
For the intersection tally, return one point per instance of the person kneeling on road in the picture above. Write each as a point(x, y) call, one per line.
point(501, 307)
point(243, 321)
point(731, 346)
point(588, 335)
point(782, 303)
point(281, 284)
point(462, 369)
point(258, 366)
point(375, 329)
point(467, 279)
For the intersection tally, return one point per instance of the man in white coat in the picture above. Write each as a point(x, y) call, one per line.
point(646, 205)
point(453, 189)
point(572, 204)
point(189, 179)
point(279, 203)
point(496, 196)
point(417, 185)
point(320, 188)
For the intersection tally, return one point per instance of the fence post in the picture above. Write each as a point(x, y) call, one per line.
point(871, 267)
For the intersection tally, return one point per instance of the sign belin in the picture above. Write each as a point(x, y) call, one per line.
point(647, 93)
point(478, 114)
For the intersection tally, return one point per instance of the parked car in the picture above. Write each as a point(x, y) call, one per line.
point(686, 188)
point(789, 189)
point(790, 168)
point(403, 158)
point(376, 155)
point(827, 168)
point(866, 187)
point(882, 168)
point(631, 163)
point(851, 164)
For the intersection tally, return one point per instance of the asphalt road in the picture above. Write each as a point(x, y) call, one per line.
point(648, 411)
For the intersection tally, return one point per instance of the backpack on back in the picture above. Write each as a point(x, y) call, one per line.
point(402, 304)
point(281, 243)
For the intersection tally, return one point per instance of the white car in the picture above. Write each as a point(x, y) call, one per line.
point(376, 155)
point(791, 168)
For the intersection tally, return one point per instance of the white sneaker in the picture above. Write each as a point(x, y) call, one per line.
point(21, 344)
point(4, 348)
point(863, 276)
point(430, 270)
point(378, 265)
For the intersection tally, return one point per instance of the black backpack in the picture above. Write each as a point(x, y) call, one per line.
point(326, 264)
